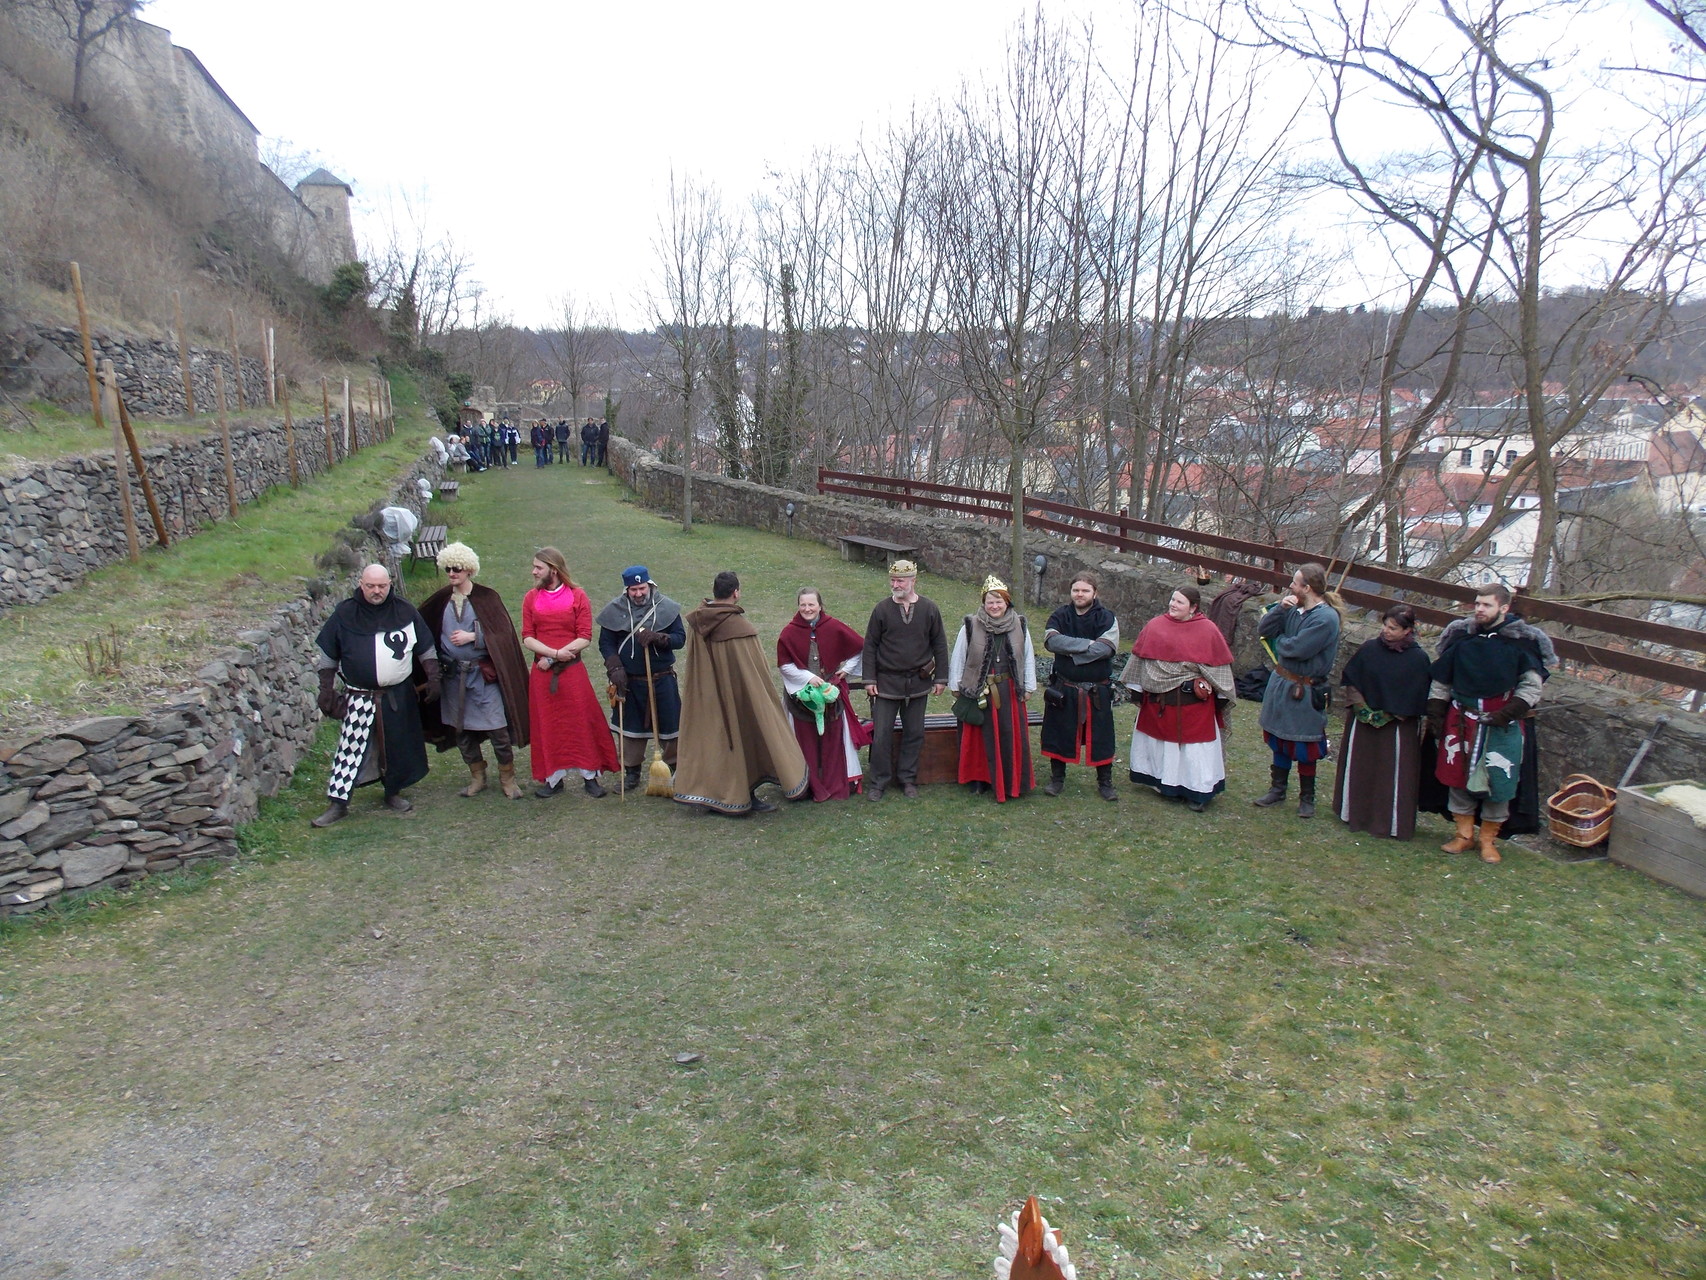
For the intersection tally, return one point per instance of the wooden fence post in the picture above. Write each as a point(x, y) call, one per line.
point(282, 393)
point(141, 472)
point(225, 439)
point(183, 353)
point(121, 473)
point(326, 420)
point(372, 417)
point(272, 365)
point(236, 363)
point(352, 437)
point(88, 345)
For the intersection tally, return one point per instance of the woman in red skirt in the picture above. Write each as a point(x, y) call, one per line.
point(993, 661)
point(567, 724)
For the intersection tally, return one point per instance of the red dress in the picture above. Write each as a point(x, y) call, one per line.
point(568, 727)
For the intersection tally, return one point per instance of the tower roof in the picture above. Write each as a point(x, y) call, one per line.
point(321, 178)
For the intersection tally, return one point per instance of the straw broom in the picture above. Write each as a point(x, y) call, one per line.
point(658, 779)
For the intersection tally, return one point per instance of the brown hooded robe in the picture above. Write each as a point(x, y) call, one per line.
point(502, 647)
point(734, 732)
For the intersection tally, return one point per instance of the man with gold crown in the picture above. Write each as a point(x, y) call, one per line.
point(994, 669)
point(905, 653)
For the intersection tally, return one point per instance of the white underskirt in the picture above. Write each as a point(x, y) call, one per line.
point(1194, 766)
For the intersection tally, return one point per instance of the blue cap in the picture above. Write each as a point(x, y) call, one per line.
point(636, 576)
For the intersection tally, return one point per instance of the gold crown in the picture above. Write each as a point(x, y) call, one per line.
point(992, 583)
point(903, 569)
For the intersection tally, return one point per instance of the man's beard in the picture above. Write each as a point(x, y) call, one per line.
point(899, 595)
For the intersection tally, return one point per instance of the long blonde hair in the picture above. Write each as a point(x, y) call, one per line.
point(553, 559)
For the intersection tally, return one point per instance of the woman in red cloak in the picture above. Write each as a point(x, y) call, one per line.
point(1182, 669)
point(818, 651)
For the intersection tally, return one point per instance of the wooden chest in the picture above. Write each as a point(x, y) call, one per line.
point(940, 760)
point(1658, 839)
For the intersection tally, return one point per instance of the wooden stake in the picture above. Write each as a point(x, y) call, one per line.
point(326, 419)
point(236, 363)
point(283, 396)
point(120, 471)
point(272, 366)
point(372, 417)
point(141, 471)
point(88, 345)
point(352, 437)
point(225, 439)
point(183, 353)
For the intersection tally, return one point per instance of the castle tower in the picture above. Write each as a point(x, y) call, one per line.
point(327, 197)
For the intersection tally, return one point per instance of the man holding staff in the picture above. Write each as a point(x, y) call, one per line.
point(639, 633)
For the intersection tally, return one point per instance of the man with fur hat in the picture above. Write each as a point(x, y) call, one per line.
point(485, 686)
point(638, 634)
point(905, 661)
point(375, 640)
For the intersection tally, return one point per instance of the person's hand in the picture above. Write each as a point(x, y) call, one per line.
point(1289, 600)
point(327, 698)
point(1353, 696)
point(813, 679)
point(1510, 713)
point(462, 637)
point(617, 674)
point(434, 687)
point(1436, 716)
point(939, 686)
point(652, 639)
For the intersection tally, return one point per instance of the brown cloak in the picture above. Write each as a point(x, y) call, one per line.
point(502, 647)
point(734, 732)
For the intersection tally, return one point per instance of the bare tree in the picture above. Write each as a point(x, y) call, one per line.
point(581, 344)
point(86, 24)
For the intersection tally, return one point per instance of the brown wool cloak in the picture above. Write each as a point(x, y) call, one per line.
point(503, 647)
point(734, 732)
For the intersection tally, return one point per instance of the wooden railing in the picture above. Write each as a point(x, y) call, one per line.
point(1273, 563)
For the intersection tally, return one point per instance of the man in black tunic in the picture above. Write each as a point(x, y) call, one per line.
point(639, 633)
point(375, 640)
point(905, 660)
point(1078, 705)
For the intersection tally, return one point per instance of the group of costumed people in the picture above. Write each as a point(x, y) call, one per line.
point(1452, 734)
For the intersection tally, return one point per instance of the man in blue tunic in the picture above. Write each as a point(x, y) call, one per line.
point(638, 634)
point(1301, 636)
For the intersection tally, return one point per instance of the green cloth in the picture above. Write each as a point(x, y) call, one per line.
point(815, 697)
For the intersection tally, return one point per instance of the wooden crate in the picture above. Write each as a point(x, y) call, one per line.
point(1658, 839)
point(940, 759)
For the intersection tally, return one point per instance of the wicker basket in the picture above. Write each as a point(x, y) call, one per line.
point(1579, 812)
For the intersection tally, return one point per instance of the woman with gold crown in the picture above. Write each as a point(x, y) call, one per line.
point(992, 670)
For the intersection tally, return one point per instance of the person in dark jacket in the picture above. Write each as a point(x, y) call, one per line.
point(1379, 774)
point(1078, 705)
point(639, 634)
point(1301, 635)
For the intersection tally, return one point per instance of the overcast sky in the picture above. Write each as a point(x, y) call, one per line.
point(544, 132)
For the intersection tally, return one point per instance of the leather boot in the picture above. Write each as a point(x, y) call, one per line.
point(398, 803)
point(631, 778)
point(593, 788)
point(506, 779)
point(1465, 834)
point(1056, 777)
point(1490, 841)
point(1105, 782)
point(1305, 797)
point(336, 811)
point(1279, 778)
point(478, 784)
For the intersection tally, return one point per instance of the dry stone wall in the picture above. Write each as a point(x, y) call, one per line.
point(1584, 728)
point(112, 799)
point(60, 520)
point(47, 362)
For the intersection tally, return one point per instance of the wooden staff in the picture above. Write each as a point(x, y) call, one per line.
point(326, 418)
point(120, 471)
point(283, 395)
point(225, 438)
point(272, 365)
point(183, 353)
point(372, 417)
point(236, 364)
point(352, 437)
point(88, 345)
point(141, 471)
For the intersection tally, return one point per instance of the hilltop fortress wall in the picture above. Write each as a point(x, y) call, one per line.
point(168, 118)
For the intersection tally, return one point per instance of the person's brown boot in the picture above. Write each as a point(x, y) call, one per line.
point(506, 779)
point(478, 784)
point(1490, 841)
point(1465, 837)
point(336, 811)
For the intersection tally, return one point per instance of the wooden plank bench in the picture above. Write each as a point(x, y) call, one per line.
point(940, 759)
point(853, 542)
point(449, 489)
point(428, 543)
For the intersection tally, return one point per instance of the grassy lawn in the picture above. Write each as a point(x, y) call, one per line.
point(175, 606)
point(1233, 1044)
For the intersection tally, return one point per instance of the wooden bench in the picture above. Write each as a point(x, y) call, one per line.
point(940, 759)
point(449, 489)
point(428, 544)
point(851, 542)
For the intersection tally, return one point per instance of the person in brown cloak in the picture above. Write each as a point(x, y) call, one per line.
point(485, 674)
point(735, 735)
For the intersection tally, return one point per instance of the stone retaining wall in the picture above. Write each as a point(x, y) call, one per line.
point(1584, 728)
point(46, 362)
point(109, 800)
point(59, 520)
